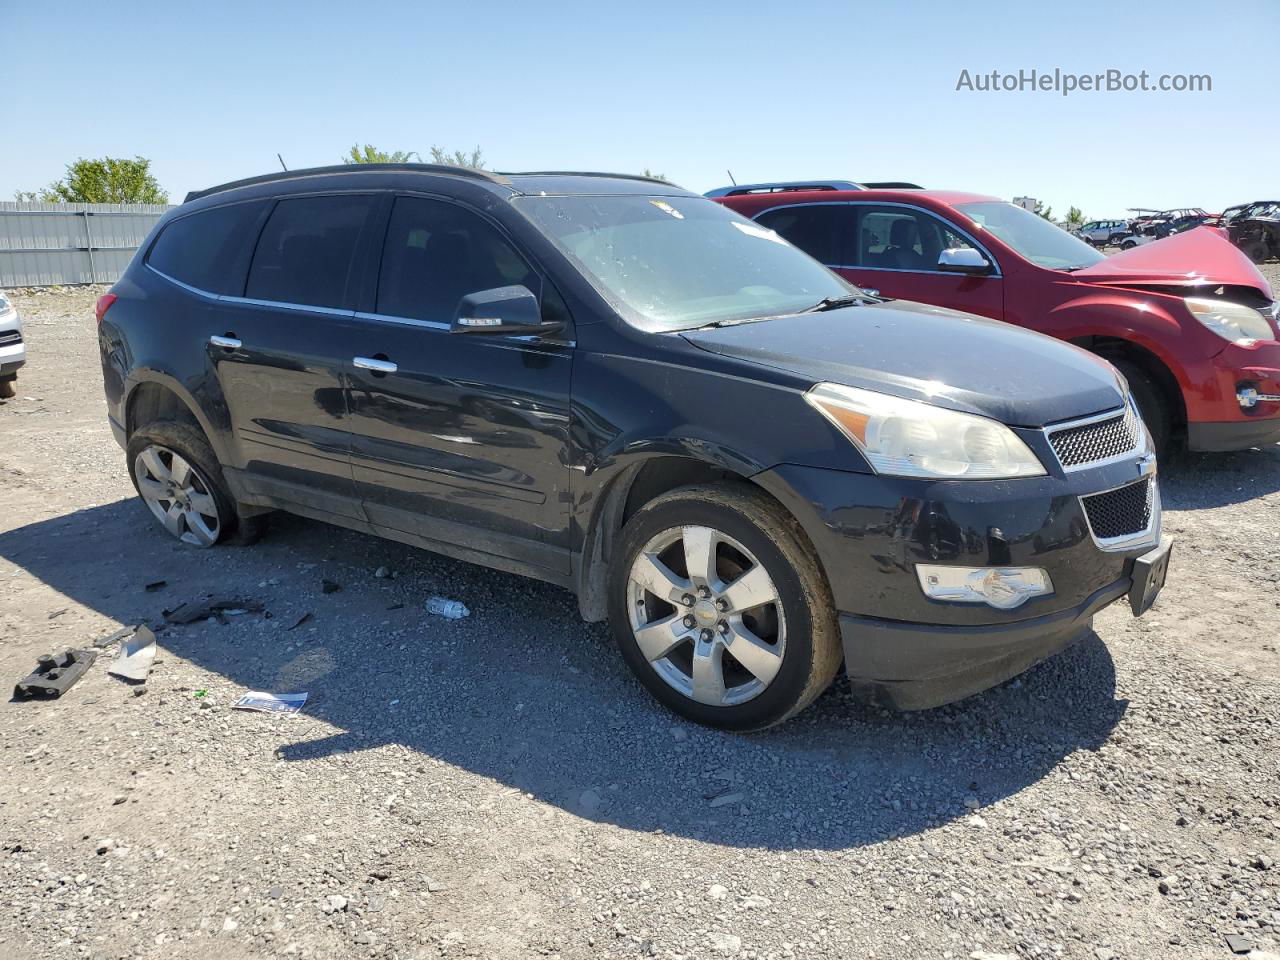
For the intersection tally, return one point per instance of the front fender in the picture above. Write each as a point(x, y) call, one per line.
point(1145, 322)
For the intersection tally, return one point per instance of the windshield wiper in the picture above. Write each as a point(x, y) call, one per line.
point(716, 324)
point(835, 303)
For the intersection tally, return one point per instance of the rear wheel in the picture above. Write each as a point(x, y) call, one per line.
point(1258, 252)
point(178, 477)
point(7, 389)
point(1152, 405)
point(720, 609)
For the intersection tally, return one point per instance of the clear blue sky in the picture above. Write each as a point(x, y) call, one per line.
point(777, 90)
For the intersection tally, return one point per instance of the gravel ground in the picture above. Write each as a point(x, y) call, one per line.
point(499, 787)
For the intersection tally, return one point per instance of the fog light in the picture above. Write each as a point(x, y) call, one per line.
point(1001, 587)
point(1249, 397)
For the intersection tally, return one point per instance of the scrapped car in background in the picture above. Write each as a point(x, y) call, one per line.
point(752, 469)
point(13, 349)
point(1101, 233)
point(1188, 320)
point(1255, 229)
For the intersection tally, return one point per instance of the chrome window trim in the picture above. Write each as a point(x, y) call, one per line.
point(1143, 444)
point(1130, 541)
point(996, 273)
point(446, 327)
point(405, 321)
point(250, 301)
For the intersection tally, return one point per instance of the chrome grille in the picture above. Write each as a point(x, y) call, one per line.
point(9, 337)
point(1105, 439)
point(1123, 512)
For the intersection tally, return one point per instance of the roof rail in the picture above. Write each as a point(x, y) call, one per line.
point(892, 185)
point(351, 168)
point(587, 173)
point(742, 189)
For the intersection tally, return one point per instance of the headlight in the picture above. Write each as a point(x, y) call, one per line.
point(907, 438)
point(1231, 321)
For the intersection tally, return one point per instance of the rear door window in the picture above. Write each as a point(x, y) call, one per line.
point(816, 229)
point(436, 253)
point(210, 249)
point(306, 254)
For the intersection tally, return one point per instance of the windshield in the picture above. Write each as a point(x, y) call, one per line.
point(1032, 235)
point(671, 263)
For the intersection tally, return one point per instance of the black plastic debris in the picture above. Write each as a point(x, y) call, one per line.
point(124, 633)
point(328, 586)
point(300, 621)
point(217, 608)
point(54, 675)
point(155, 585)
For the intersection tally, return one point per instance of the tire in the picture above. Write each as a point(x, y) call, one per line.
point(1152, 405)
point(198, 508)
point(792, 639)
point(1258, 252)
point(7, 389)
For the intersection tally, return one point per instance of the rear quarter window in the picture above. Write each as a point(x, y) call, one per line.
point(210, 249)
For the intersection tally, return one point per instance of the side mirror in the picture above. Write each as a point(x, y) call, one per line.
point(501, 310)
point(963, 260)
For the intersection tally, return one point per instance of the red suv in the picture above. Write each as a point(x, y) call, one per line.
point(1188, 320)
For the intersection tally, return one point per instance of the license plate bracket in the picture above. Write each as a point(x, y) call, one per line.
point(1149, 573)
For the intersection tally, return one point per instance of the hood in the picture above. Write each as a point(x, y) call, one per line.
point(1199, 257)
point(919, 352)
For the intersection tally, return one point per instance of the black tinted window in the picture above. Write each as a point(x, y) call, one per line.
point(210, 249)
point(307, 249)
point(436, 253)
point(815, 229)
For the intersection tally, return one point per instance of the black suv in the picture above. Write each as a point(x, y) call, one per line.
point(754, 470)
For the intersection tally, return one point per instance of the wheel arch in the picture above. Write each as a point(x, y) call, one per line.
point(631, 487)
point(1118, 348)
point(161, 397)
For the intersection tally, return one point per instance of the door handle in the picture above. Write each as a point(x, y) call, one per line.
point(374, 364)
point(227, 343)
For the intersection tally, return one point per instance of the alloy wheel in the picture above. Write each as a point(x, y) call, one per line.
point(706, 615)
point(178, 495)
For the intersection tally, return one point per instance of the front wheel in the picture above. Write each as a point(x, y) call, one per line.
point(7, 389)
point(1152, 406)
point(720, 609)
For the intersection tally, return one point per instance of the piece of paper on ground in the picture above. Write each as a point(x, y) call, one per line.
point(271, 702)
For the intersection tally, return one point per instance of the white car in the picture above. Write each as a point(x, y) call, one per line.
point(13, 349)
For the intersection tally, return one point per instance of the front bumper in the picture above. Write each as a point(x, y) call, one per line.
point(12, 356)
point(870, 532)
point(1218, 420)
point(913, 666)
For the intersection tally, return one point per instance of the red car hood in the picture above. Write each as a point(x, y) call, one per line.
point(1195, 258)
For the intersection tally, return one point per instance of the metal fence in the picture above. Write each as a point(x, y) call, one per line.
point(49, 243)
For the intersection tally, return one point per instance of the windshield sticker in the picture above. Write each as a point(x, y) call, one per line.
point(751, 230)
point(667, 208)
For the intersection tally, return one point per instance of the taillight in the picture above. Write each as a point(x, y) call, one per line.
point(103, 305)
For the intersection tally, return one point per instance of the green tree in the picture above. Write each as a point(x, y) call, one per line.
point(655, 176)
point(1043, 211)
point(458, 158)
point(371, 154)
point(1075, 217)
point(105, 180)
